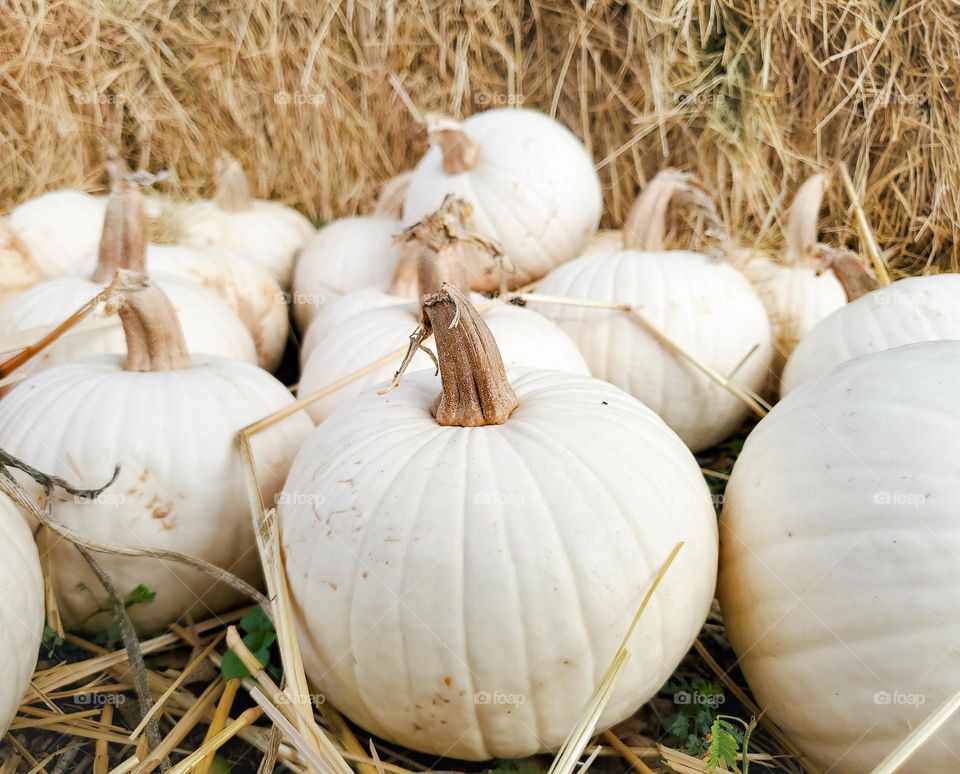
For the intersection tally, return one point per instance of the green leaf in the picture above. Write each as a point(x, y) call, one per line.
point(232, 668)
point(141, 595)
point(50, 636)
point(723, 746)
point(256, 621)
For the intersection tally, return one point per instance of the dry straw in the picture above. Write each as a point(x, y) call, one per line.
point(320, 100)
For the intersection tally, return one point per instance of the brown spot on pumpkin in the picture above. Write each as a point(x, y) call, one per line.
point(145, 475)
point(417, 727)
point(365, 574)
point(133, 491)
point(162, 511)
point(331, 584)
point(448, 681)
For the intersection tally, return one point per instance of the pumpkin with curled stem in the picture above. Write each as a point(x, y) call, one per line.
point(530, 181)
point(363, 327)
point(704, 305)
point(208, 323)
point(463, 567)
point(839, 559)
point(169, 419)
point(803, 288)
point(22, 611)
point(269, 233)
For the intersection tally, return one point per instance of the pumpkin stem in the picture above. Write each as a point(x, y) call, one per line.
point(390, 202)
point(850, 272)
point(434, 252)
point(123, 241)
point(475, 387)
point(459, 151)
point(150, 324)
point(233, 193)
point(801, 233)
point(646, 223)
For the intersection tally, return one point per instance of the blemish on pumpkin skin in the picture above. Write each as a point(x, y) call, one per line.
point(448, 681)
point(331, 584)
point(162, 511)
point(145, 475)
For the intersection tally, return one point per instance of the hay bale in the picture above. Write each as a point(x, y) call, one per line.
point(318, 100)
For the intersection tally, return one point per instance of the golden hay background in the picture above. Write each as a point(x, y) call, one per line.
point(317, 98)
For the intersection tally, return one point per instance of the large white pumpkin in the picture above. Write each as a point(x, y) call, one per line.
point(530, 181)
point(839, 559)
point(906, 311)
point(209, 325)
point(704, 305)
point(271, 234)
point(22, 611)
point(169, 422)
point(461, 589)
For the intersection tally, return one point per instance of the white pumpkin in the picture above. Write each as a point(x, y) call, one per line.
point(22, 611)
point(250, 292)
point(839, 545)
point(704, 305)
point(346, 255)
point(799, 291)
point(169, 420)
point(363, 327)
point(58, 228)
point(905, 312)
point(271, 234)
point(460, 590)
point(18, 271)
point(209, 324)
point(530, 181)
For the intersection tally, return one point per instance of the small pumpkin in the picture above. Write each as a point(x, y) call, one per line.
point(271, 234)
point(361, 328)
point(168, 419)
point(435, 549)
point(530, 181)
point(803, 288)
point(208, 323)
point(350, 254)
point(838, 571)
point(907, 311)
point(58, 228)
point(704, 305)
point(22, 611)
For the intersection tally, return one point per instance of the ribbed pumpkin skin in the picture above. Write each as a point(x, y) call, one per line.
point(21, 614)
point(525, 339)
point(59, 228)
point(533, 189)
point(181, 483)
point(344, 256)
point(796, 299)
point(706, 306)
point(839, 571)
point(209, 326)
point(432, 567)
point(905, 312)
point(270, 234)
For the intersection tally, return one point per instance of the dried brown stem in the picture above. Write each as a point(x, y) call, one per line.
point(646, 224)
point(390, 202)
point(233, 192)
point(460, 151)
point(154, 337)
point(123, 242)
